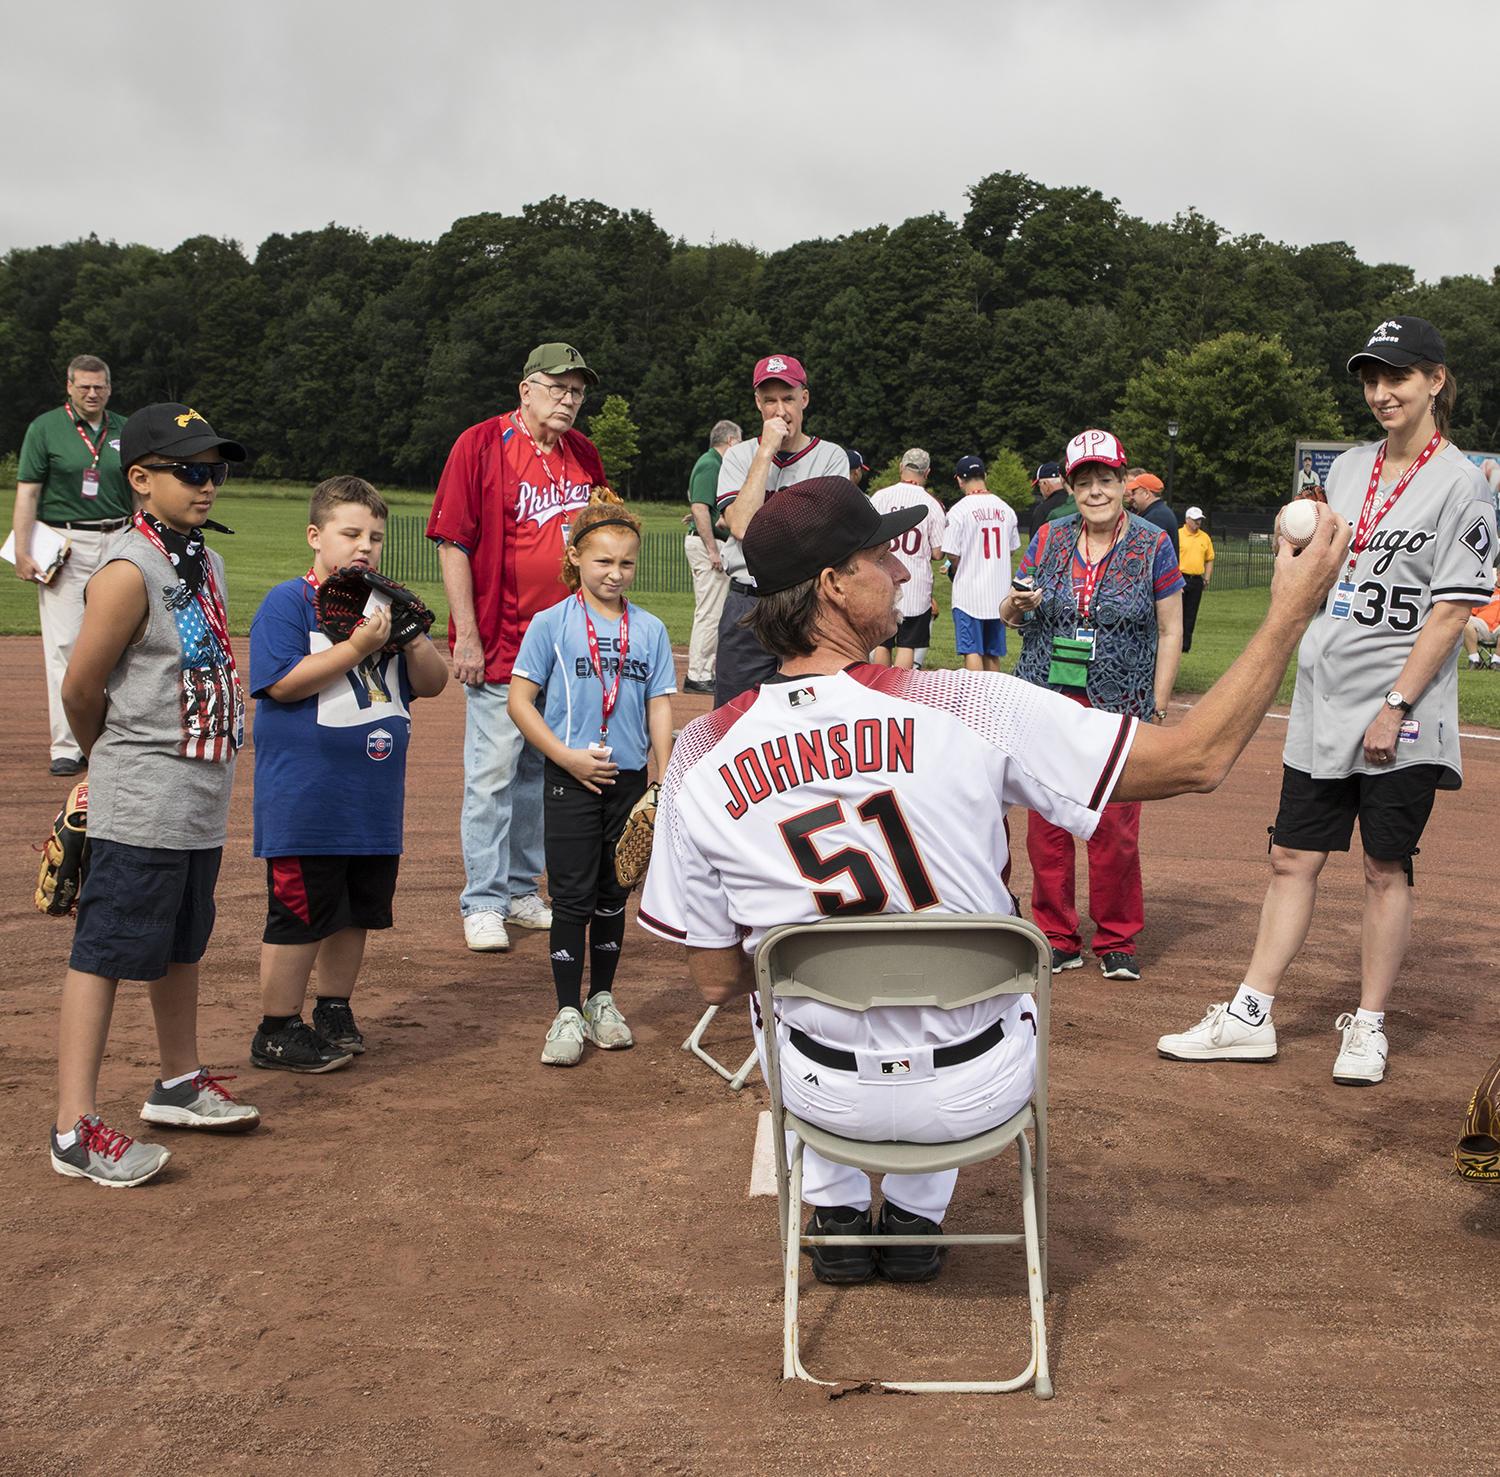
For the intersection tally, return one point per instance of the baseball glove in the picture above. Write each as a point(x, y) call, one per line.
point(65, 856)
point(342, 598)
point(1477, 1154)
point(633, 849)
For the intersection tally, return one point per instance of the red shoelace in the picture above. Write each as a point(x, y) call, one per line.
point(204, 1080)
point(100, 1138)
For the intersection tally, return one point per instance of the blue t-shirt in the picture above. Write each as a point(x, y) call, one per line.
point(555, 655)
point(330, 770)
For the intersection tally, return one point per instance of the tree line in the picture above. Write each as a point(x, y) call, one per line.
point(1044, 310)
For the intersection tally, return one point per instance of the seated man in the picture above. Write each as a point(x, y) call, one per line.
point(1481, 631)
point(841, 787)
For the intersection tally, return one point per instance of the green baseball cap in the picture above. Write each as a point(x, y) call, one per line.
point(557, 359)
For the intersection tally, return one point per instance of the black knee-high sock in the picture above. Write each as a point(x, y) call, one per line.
point(566, 941)
point(606, 934)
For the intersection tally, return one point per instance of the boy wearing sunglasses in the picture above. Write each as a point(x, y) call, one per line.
point(156, 703)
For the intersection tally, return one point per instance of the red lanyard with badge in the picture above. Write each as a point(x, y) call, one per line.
point(1083, 591)
point(609, 695)
point(1370, 518)
point(96, 448)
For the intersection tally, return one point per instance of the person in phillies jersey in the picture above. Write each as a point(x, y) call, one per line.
point(981, 535)
point(1374, 725)
point(917, 549)
point(840, 787)
point(500, 519)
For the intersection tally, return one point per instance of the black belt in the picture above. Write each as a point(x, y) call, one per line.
point(741, 588)
point(104, 525)
point(944, 1056)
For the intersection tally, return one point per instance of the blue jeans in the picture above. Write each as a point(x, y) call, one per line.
point(501, 824)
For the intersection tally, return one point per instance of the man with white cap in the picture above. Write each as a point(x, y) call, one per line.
point(1195, 558)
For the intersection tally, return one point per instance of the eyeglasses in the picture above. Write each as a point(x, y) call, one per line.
point(575, 393)
point(195, 474)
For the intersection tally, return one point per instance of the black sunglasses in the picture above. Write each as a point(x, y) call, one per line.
point(195, 474)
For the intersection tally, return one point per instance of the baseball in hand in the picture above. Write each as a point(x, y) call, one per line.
point(1297, 522)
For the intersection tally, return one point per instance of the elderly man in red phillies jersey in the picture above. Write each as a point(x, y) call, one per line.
point(500, 518)
point(842, 787)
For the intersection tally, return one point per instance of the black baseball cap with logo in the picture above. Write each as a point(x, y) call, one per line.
point(172, 430)
point(816, 525)
point(969, 466)
point(1401, 342)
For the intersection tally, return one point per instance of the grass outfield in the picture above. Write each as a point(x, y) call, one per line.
point(270, 545)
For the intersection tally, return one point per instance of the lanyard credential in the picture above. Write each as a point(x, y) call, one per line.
point(1091, 572)
point(209, 597)
point(95, 447)
point(609, 695)
point(519, 421)
point(1369, 516)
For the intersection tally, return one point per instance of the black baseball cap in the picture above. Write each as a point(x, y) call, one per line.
point(1403, 341)
point(969, 466)
point(1046, 470)
point(814, 525)
point(857, 460)
point(169, 429)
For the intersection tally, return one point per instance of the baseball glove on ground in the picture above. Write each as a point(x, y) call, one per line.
point(342, 598)
point(1478, 1153)
point(633, 849)
point(65, 856)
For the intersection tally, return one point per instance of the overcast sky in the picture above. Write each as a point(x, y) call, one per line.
point(1302, 120)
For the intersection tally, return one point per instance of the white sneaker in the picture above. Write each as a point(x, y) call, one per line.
point(1362, 1052)
point(529, 912)
point(604, 1023)
point(485, 933)
point(1220, 1037)
point(564, 1039)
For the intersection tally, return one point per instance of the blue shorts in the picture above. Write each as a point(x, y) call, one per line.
point(143, 909)
point(975, 636)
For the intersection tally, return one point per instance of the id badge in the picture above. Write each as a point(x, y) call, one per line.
point(1343, 601)
point(1084, 636)
point(1410, 731)
point(91, 482)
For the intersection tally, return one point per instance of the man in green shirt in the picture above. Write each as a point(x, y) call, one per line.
point(710, 583)
point(69, 479)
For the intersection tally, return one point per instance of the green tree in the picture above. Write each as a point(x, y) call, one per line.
point(1008, 477)
point(618, 440)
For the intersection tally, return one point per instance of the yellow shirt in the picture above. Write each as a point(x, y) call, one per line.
point(1194, 550)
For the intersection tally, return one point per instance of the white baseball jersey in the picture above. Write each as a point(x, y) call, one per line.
point(870, 790)
point(816, 459)
point(982, 531)
point(1437, 544)
point(916, 546)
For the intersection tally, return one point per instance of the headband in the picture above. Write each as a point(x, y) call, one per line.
point(579, 534)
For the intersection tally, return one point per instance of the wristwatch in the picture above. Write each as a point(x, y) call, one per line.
point(1393, 699)
point(1161, 715)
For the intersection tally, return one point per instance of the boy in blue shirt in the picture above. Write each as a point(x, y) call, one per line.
point(607, 669)
point(331, 721)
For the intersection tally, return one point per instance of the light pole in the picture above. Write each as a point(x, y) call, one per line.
point(1171, 455)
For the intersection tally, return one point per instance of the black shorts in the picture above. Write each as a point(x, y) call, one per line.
point(313, 897)
point(580, 835)
point(914, 632)
point(1392, 809)
point(143, 909)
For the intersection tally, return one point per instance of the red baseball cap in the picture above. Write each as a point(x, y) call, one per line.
point(1093, 446)
point(778, 367)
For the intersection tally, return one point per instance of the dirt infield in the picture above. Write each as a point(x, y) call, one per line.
point(450, 1259)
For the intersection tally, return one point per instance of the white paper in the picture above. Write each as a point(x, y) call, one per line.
point(378, 600)
point(46, 544)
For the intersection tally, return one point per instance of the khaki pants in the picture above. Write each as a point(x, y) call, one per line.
point(61, 606)
point(709, 588)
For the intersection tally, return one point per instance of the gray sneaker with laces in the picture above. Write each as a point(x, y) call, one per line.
point(604, 1023)
point(106, 1156)
point(564, 1039)
point(200, 1103)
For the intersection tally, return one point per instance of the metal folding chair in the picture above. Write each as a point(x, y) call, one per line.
point(861, 962)
point(694, 1044)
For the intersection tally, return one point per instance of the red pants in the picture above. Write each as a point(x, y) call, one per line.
point(1115, 901)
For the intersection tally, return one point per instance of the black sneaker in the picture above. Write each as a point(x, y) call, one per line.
point(297, 1048)
point(1119, 965)
point(1066, 959)
point(692, 685)
point(67, 767)
point(909, 1263)
point(334, 1022)
point(841, 1264)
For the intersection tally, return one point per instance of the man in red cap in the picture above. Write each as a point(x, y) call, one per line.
point(751, 472)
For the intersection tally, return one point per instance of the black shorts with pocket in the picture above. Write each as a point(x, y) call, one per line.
point(310, 898)
point(1392, 810)
point(914, 632)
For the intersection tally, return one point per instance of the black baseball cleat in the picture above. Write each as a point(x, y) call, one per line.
point(841, 1264)
point(909, 1263)
point(334, 1022)
point(296, 1047)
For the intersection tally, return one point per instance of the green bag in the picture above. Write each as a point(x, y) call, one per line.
point(1070, 662)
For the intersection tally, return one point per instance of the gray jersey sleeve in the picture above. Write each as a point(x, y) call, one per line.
point(1463, 567)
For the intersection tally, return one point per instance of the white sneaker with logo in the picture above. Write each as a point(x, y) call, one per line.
point(529, 912)
point(485, 933)
point(1362, 1052)
point(1221, 1037)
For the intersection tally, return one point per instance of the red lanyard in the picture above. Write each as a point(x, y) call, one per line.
point(211, 604)
point(83, 435)
point(610, 695)
point(1091, 572)
point(541, 456)
point(1367, 525)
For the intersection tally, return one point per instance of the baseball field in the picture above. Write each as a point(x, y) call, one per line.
point(449, 1259)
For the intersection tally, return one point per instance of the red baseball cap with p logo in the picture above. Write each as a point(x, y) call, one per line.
point(1093, 446)
point(778, 367)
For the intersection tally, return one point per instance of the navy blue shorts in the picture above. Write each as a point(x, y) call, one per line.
point(143, 909)
point(311, 898)
point(975, 636)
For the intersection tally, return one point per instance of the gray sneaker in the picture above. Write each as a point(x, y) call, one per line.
point(564, 1039)
point(604, 1023)
point(200, 1103)
point(106, 1156)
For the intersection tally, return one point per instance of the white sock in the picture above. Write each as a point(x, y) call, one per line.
point(186, 1077)
point(1251, 1007)
point(68, 1139)
point(1374, 1018)
point(1474, 660)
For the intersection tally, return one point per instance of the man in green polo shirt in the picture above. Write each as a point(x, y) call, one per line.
point(69, 478)
point(710, 583)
